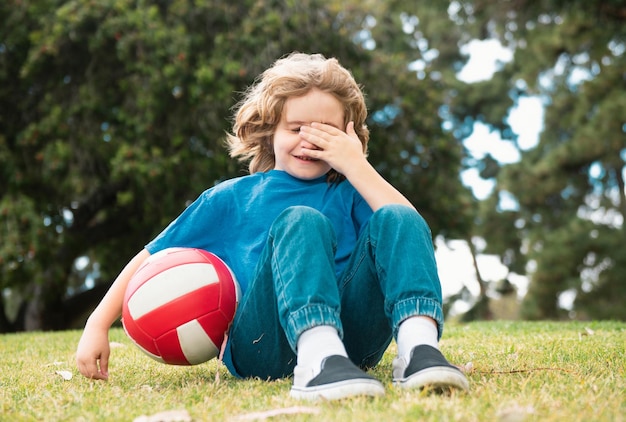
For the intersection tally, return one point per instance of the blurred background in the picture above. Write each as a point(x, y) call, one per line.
point(504, 122)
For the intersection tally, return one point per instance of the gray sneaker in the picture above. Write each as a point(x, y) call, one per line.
point(428, 368)
point(337, 378)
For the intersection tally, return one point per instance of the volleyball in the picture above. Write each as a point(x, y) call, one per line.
point(179, 305)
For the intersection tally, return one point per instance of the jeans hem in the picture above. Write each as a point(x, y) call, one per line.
point(309, 317)
point(417, 307)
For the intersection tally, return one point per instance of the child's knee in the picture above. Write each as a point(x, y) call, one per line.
point(303, 218)
point(399, 215)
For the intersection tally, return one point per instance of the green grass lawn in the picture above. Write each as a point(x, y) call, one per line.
point(544, 371)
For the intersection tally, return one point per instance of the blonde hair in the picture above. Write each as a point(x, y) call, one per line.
point(260, 110)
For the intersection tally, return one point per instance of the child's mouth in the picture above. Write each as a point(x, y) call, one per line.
point(304, 158)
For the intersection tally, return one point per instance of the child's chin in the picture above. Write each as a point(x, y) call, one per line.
point(307, 175)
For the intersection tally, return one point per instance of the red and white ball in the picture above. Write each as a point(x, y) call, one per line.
point(179, 304)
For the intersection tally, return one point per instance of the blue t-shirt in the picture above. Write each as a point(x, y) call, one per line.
point(233, 218)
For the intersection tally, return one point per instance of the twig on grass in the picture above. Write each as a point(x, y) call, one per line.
point(519, 371)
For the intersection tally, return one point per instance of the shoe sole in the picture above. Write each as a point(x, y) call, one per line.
point(437, 378)
point(339, 390)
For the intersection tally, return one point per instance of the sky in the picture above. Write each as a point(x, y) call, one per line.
point(526, 120)
point(453, 257)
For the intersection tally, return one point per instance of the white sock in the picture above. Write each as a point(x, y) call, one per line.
point(415, 331)
point(317, 343)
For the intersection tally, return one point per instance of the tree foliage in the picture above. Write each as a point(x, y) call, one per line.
point(568, 226)
point(114, 113)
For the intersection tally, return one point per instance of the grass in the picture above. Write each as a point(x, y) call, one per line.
point(544, 371)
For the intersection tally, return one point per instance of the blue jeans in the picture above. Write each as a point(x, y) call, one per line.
point(391, 275)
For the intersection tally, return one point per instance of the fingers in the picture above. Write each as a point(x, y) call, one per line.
point(99, 376)
point(322, 130)
point(92, 354)
point(91, 371)
point(326, 132)
point(318, 135)
point(312, 138)
point(95, 369)
point(104, 367)
point(308, 145)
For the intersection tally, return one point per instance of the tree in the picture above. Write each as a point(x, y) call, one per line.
point(116, 112)
point(568, 227)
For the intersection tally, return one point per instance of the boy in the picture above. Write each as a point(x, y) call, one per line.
point(333, 262)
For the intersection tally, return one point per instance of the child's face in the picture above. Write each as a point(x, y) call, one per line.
point(315, 106)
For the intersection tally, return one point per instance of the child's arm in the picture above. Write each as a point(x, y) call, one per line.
point(343, 151)
point(92, 353)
